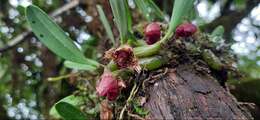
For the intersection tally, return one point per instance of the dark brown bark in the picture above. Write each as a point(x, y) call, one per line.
point(184, 93)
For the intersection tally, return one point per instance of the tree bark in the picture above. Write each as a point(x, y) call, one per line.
point(184, 93)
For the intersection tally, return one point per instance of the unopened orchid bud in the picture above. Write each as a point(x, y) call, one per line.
point(152, 33)
point(185, 30)
point(109, 86)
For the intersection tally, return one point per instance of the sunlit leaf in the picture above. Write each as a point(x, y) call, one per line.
point(69, 112)
point(54, 37)
point(105, 22)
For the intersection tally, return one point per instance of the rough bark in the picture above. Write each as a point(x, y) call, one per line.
point(184, 93)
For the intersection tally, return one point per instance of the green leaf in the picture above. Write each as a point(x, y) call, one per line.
point(121, 18)
point(218, 31)
point(51, 35)
point(141, 4)
point(79, 66)
point(129, 18)
point(105, 22)
point(69, 112)
point(140, 111)
point(5, 74)
point(21, 10)
point(149, 9)
point(156, 9)
point(75, 101)
point(180, 9)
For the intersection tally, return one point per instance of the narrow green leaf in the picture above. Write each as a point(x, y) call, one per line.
point(121, 18)
point(105, 22)
point(79, 66)
point(149, 9)
point(51, 35)
point(156, 9)
point(180, 9)
point(141, 4)
point(69, 112)
point(71, 99)
point(129, 18)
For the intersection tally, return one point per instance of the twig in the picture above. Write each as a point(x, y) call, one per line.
point(21, 37)
point(132, 93)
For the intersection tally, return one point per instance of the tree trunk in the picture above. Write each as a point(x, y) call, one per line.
point(184, 93)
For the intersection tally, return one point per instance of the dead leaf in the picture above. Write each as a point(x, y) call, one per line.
point(105, 111)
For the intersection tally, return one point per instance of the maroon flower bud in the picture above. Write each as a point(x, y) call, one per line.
point(109, 86)
point(152, 33)
point(185, 30)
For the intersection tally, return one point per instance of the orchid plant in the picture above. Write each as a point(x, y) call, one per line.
point(129, 53)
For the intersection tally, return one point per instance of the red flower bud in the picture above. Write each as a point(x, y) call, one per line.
point(152, 33)
point(185, 30)
point(108, 86)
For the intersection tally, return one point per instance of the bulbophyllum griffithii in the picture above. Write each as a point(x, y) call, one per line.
point(185, 30)
point(109, 86)
point(123, 57)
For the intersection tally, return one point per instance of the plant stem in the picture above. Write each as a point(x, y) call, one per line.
point(148, 50)
point(53, 79)
point(132, 93)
